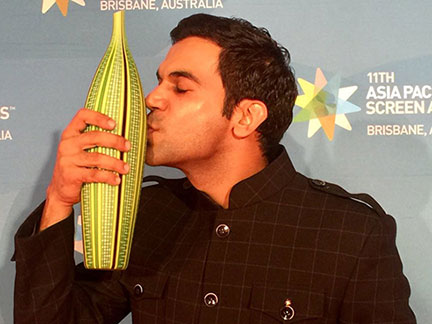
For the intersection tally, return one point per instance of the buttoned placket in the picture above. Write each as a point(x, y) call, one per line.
point(227, 273)
point(212, 298)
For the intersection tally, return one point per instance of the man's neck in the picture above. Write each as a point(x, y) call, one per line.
point(217, 178)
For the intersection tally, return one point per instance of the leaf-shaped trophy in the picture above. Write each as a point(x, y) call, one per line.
point(109, 212)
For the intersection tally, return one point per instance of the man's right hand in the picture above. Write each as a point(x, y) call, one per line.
point(75, 166)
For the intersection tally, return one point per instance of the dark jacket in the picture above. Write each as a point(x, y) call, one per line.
point(288, 249)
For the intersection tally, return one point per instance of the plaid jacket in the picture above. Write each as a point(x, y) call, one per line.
point(288, 249)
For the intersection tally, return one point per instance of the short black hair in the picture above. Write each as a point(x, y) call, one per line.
point(252, 65)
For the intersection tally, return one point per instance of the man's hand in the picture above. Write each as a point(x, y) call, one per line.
point(75, 166)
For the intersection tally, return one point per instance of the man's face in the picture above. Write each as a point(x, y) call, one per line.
point(186, 126)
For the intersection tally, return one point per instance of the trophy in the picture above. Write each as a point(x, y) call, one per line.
point(109, 212)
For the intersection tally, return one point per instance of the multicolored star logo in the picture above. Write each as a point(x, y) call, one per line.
point(78, 242)
point(62, 4)
point(324, 104)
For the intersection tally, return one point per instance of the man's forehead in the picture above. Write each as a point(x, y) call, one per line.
point(194, 55)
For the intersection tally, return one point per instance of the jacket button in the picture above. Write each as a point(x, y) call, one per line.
point(319, 183)
point(138, 290)
point(287, 312)
point(222, 230)
point(211, 300)
point(187, 184)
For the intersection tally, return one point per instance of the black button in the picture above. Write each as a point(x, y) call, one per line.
point(287, 312)
point(319, 183)
point(138, 290)
point(187, 185)
point(211, 300)
point(222, 230)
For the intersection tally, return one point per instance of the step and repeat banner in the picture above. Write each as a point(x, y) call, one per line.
point(372, 61)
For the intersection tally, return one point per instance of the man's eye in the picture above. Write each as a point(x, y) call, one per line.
point(180, 90)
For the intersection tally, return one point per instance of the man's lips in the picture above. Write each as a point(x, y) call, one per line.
point(151, 128)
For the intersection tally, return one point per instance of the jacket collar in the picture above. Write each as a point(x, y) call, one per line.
point(265, 183)
point(275, 176)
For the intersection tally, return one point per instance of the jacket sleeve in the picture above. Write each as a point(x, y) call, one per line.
point(48, 286)
point(378, 291)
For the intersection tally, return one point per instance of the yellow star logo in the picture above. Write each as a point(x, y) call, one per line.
point(62, 4)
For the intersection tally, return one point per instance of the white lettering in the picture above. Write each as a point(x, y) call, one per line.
point(397, 107)
point(166, 5)
point(396, 130)
point(371, 94)
point(4, 112)
point(127, 5)
point(417, 92)
point(191, 4)
point(381, 77)
point(383, 92)
point(5, 135)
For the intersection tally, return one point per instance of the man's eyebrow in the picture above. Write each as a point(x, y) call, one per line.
point(183, 74)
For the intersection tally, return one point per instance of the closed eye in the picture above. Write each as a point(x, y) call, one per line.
point(180, 90)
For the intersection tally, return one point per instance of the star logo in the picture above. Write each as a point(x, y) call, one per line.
point(324, 104)
point(78, 242)
point(62, 4)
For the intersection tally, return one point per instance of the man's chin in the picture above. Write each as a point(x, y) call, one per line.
point(152, 158)
point(151, 161)
point(154, 162)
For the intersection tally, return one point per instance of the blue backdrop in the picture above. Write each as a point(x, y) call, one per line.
point(374, 57)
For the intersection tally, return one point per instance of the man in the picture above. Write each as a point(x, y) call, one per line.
point(244, 239)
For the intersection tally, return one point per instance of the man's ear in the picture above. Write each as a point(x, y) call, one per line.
point(247, 116)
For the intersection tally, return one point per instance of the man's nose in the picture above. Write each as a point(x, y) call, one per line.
point(156, 100)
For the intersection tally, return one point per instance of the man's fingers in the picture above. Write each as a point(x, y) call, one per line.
point(101, 176)
point(85, 117)
point(103, 139)
point(102, 161)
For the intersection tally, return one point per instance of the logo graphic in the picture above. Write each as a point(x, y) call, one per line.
point(62, 4)
point(78, 243)
point(324, 104)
